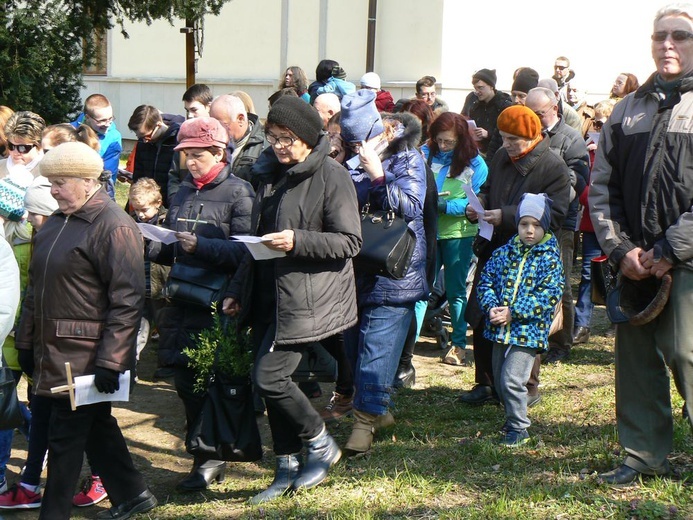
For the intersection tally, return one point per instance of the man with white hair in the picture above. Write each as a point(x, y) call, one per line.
point(327, 105)
point(640, 201)
point(246, 134)
point(568, 113)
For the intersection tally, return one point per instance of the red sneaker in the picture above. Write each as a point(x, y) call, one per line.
point(92, 492)
point(19, 497)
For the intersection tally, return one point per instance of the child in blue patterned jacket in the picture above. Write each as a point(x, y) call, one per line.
point(518, 290)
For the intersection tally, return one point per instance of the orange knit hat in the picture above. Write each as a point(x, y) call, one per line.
point(520, 121)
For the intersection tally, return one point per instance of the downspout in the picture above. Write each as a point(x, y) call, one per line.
point(370, 42)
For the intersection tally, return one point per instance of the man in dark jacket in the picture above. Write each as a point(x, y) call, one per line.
point(156, 139)
point(641, 197)
point(570, 146)
point(83, 306)
point(246, 135)
point(484, 105)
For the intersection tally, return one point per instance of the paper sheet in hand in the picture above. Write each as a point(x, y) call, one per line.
point(485, 229)
point(86, 392)
point(158, 234)
point(257, 248)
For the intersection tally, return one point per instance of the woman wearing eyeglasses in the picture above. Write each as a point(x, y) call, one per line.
point(306, 210)
point(455, 161)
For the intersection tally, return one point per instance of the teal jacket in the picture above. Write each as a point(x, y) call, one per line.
point(529, 280)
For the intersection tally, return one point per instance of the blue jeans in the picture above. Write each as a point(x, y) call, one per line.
point(374, 347)
point(584, 305)
point(455, 254)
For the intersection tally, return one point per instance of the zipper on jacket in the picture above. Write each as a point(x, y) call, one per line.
point(37, 383)
point(516, 286)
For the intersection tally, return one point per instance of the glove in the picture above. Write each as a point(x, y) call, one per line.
point(442, 206)
point(106, 380)
point(26, 361)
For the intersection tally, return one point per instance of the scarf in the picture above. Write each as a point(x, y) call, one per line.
point(209, 176)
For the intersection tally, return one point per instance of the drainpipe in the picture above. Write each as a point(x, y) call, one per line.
point(370, 42)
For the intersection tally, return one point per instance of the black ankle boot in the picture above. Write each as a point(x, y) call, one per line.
point(202, 475)
point(323, 452)
point(287, 469)
point(405, 376)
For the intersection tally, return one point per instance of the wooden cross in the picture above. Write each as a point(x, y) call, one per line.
point(69, 387)
point(196, 221)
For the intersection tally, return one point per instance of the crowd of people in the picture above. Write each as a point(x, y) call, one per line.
point(499, 198)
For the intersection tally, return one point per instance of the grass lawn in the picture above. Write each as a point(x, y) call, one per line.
point(440, 460)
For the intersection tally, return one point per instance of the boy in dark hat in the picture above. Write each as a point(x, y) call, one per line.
point(518, 290)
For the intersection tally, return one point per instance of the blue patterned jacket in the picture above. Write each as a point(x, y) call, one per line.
point(529, 280)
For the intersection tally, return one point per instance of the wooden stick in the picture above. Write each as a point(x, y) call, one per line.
point(69, 387)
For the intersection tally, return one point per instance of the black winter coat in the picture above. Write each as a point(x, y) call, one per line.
point(154, 159)
point(315, 288)
point(226, 206)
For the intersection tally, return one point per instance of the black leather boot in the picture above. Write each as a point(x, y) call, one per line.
point(287, 469)
point(202, 475)
point(323, 453)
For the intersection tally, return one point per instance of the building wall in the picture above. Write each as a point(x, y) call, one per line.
point(251, 43)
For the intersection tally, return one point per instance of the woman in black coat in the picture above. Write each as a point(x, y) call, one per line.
point(306, 209)
point(211, 205)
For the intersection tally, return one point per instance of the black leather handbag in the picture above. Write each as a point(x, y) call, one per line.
point(192, 285)
point(226, 427)
point(10, 414)
point(603, 279)
point(388, 244)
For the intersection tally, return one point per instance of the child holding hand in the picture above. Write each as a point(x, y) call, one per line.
point(518, 290)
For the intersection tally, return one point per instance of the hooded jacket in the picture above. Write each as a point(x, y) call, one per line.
point(403, 191)
point(642, 181)
point(86, 293)
point(315, 295)
point(529, 280)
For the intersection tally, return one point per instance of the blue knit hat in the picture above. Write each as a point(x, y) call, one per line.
point(360, 120)
point(537, 206)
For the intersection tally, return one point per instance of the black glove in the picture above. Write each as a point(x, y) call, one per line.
point(106, 380)
point(26, 361)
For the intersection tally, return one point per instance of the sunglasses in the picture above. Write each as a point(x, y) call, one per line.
point(560, 67)
point(21, 148)
point(677, 36)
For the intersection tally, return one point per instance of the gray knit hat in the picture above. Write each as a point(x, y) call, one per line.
point(488, 76)
point(537, 206)
point(360, 120)
point(72, 159)
point(299, 117)
point(38, 198)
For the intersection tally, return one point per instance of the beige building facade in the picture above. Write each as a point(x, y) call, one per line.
point(249, 45)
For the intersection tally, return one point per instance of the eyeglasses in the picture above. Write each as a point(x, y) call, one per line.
point(560, 67)
point(542, 113)
point(21, 148)
point(427, 95)
point(104, 121)
point(284, 141)
point(447, 143)
point(148, 136)
point(677, 36)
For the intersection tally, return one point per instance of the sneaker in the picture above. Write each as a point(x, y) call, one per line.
point(338, 407)
point(19, 497)
point(533, 400)
point(514, 438)
point(92, 492)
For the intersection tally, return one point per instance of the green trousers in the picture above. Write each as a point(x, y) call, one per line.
point(644, 356)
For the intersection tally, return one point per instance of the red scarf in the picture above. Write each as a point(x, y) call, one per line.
point(208, 177)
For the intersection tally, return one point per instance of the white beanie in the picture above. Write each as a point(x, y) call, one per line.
point(38, 198)
point(370, 80)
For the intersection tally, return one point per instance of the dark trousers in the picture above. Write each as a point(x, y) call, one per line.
point(345, 376)
point(41, 407)
point(292, 418)
point(90, 427)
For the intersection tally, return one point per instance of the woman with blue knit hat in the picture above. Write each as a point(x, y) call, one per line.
point(390, 175)
point(518, 290)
